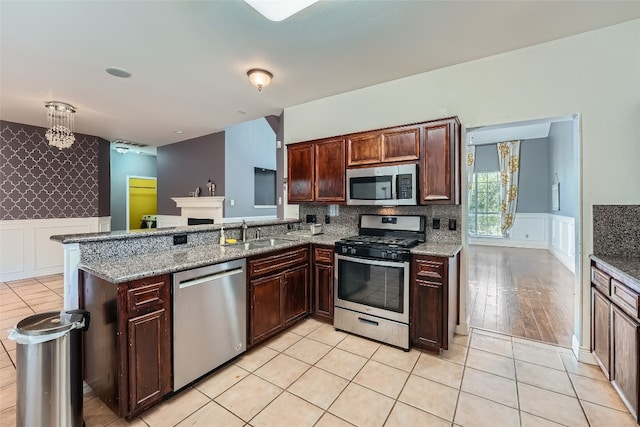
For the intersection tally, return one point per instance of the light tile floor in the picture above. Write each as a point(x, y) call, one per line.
point(312, 375)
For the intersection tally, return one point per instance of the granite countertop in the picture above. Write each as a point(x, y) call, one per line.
point(628, 267)
point(146, 232)
point(437, 249)
point(120, 270)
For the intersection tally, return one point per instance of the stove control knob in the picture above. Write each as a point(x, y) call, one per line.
point(344, 249)
point(383, 254)
point(352, 251)
point(394, 255)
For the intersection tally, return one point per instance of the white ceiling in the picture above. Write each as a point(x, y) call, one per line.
point(188, 59)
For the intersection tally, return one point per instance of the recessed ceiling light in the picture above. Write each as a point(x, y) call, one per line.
point(242, 112)
point(118, 72)
point(279, 10)
point(178, 131)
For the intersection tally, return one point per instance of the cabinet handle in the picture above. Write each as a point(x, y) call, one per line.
point(368, 322)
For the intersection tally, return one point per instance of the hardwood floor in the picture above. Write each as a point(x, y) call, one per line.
point(521, 292)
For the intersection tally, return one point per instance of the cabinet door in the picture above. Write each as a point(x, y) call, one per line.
point(149, 359)
point(300, 172)
point(600, 330)
point(330, 171)
point(296, 294)
point(399, 145)
point(427, 315)
point(440, 162)
point(624, 356)
point(266, 307)
point(323, 291)
point(364, 149)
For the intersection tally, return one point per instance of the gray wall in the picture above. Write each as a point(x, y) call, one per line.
point(533, 181)
point(248, 145)
point(185, 165)
point(534, 193)
point(121, 166)
point(563, 161)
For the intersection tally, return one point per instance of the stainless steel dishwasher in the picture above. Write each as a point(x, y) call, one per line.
point(209, 319)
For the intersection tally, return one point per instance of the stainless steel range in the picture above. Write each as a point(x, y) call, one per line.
point(372, 277)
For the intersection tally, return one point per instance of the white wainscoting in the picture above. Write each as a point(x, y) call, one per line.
point(554, 233)
point(26, 250)
point(562, 240)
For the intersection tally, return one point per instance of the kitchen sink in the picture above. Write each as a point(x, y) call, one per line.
point(261, 243)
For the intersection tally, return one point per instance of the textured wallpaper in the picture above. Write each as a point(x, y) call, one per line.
point(38, 181)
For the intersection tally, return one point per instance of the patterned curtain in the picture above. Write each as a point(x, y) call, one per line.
point(509, 159)
point(471, 160)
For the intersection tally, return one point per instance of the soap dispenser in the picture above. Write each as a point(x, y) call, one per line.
point(222, 238)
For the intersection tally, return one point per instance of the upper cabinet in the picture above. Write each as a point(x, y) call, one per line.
point(386, 146)
point(440, 162)
point(316, 171)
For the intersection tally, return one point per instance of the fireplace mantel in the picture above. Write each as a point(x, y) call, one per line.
point(201, 207)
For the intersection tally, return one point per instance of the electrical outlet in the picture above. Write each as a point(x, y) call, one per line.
point(436, 223)
point(327, 219)
point(311, 219)
point(452, 224)
point(179, 239)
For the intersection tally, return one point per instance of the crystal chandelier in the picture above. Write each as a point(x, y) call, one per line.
point(60, 123)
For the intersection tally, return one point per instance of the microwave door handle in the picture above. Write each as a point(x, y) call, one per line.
point(394, 187)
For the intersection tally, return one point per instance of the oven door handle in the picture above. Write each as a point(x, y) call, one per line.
point(377, 262)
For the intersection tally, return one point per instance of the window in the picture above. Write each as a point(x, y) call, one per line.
point(484, 205)
point(264, 187)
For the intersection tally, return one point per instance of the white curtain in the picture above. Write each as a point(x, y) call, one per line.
point(471, 161)
point(509, 159)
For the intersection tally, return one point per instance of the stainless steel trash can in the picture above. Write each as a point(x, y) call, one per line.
point(49, 369)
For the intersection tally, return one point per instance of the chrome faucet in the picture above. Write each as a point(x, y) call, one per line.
point(244, 231)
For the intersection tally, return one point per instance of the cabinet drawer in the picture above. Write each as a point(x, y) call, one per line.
point(278, 262)
point(432, 269)
point(323, 255)
point(625, 298)
point(600, 279)
point(145, 295)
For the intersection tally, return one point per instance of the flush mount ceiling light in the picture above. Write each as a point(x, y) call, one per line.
point(259, 78)
point(279, 10)
point(60, 124)
point(118, 72)
point(122, 150)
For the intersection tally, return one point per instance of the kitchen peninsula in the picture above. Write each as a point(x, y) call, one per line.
point(125, 280)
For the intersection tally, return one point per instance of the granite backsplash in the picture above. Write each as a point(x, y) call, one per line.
point(346, 220)
point(616, 230)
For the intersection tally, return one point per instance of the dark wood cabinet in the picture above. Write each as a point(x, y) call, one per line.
point(440, 162)
point(329, 171)
point(300, 170)
point(601, 333)
point(615, 330)
point(434, 299)
point(127, 351)
point(400, 144)
point(316, 171)
point(278, 292)
point(624, 356)
point(322, 283)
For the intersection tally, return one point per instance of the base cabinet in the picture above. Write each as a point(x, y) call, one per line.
point(278, 292)
point(615, 330)
point(322, 283)
point(434, 299)
point(134, 318)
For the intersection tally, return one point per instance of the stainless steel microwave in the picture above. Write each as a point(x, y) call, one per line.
point(382, 186)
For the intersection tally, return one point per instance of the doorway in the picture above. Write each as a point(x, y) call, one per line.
point(526, 284)
point(142, 202)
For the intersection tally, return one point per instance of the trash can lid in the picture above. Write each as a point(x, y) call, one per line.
point(51, 322)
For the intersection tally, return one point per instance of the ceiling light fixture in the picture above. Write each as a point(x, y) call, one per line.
point(60, 123)
point(279, 10)
point(118, 72)
point(259, 78)
point(122, 150)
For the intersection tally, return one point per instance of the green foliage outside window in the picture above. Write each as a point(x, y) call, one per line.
point(484, 205)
